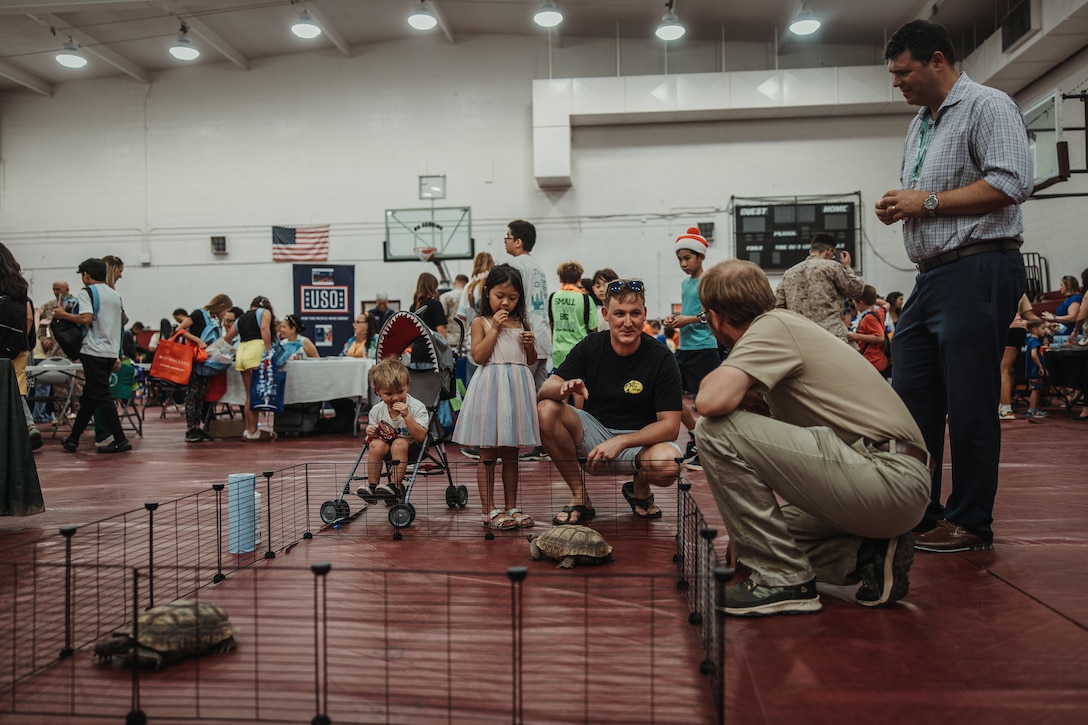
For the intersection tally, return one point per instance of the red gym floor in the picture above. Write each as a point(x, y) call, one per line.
point(994, 637)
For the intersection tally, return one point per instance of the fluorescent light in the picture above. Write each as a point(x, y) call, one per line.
point(421, 18)
point(306, 27)
point(670, 27)
point(70, 57)
point(805, 24)
point(183, 49)
point(548, 16)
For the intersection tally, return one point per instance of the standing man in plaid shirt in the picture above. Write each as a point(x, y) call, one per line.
point(966, 169)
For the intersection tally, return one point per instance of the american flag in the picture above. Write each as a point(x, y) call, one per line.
point(301, 244)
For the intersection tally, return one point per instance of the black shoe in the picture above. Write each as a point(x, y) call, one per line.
point(749, 599)
point(116, 447)
point(35, 437)
point(537, 454)
point(471, 452)
point(194, 435)
point(884, 567)
point(690, 453)
point(69, 445)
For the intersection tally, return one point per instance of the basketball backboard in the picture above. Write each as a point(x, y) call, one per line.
point(412, 234)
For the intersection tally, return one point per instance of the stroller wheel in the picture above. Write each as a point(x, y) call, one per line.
point(462, 496)
point(329, 511)
point(452, 496)
point(343, 510)
point(401, 515)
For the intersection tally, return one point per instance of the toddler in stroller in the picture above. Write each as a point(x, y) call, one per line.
point(395, 423)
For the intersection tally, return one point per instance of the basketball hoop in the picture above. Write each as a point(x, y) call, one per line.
point(425, 254)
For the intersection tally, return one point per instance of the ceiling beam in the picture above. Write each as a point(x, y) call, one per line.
point(20, 7)
point(198, 28)
point(443, 24)
point(25, 79)
point(329, 29)
point(91, 46)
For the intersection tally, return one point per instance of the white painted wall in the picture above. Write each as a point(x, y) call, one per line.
point(115, 167)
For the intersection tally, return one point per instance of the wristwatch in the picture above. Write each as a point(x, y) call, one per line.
point(930, 204)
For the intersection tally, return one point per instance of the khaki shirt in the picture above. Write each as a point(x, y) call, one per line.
point(811, 379)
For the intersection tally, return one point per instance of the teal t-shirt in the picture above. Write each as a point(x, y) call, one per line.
point(695, 336)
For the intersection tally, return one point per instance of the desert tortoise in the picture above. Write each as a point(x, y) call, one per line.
point(171, 632)
point(569, 545)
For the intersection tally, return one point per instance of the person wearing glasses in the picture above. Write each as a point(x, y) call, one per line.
point(631, 416)
point(520, 240)
point(856, 482)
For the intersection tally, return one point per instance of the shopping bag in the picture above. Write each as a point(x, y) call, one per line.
point(123, 381)
point(217, 388)
point(266, 387)
point(173, 361)
point(220, 357)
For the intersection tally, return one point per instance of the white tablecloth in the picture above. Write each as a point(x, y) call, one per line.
point(311, 380)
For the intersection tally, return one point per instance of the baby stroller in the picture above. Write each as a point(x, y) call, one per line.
point(431, 386)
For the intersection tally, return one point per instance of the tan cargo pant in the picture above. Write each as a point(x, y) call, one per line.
point(836, 494)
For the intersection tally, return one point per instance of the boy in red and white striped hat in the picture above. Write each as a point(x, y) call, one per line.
point(698, 353)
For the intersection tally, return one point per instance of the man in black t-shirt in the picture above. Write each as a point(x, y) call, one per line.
point(631, 417)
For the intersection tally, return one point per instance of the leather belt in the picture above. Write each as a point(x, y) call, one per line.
point(906, 448)
point(998, 245)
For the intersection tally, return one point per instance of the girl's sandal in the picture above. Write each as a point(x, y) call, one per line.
point(499, 520)
point(523, 520)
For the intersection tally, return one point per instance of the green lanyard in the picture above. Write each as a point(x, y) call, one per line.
point(923, 146)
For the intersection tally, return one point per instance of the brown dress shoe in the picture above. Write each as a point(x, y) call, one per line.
point(947, 537)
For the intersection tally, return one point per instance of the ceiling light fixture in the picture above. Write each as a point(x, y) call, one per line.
point(548, 16)
point(804, 23)
point(422, 18)
point(183, 49)
point(70, 56)
point(305, 27)
point(670, 28)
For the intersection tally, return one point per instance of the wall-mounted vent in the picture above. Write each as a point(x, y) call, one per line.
point(1020, 24)
point(706, 229)
point(219, 245)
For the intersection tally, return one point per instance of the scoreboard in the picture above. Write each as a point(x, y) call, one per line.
point(777, 236)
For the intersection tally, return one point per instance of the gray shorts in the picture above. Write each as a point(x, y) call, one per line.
point(594, 434)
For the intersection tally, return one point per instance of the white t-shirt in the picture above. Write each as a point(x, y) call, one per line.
point(380, 412)
point(536, 302)
point(103, 338)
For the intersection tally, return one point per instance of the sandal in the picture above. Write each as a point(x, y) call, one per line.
point(523, 520)
point(499, 520)
point(639, 503)
point(585, 515)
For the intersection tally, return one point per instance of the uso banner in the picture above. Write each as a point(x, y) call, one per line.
point(323, 302)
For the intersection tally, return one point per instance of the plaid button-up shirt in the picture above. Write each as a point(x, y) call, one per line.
point(979, 133)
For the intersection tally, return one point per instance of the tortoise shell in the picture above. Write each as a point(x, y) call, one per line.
point(569, 545)
point(171, 632)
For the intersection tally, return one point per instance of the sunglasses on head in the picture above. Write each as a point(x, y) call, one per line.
point(619, 285)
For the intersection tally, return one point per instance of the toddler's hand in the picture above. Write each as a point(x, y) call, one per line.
point(527, 338)
point(501, 317)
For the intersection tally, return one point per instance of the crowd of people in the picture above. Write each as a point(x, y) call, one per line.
point(781, 383)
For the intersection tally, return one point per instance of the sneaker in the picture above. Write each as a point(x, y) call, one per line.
point(884, 567)
point(749, 599)
point(471, 452)
point(690, 453)
point(194, 435)
point(1006, 415)
point(104, 442)
point(537, 454)
point(1035, 415)
point(35, 437)
point(694, 464)
point(116, 447)
point(69, 444)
